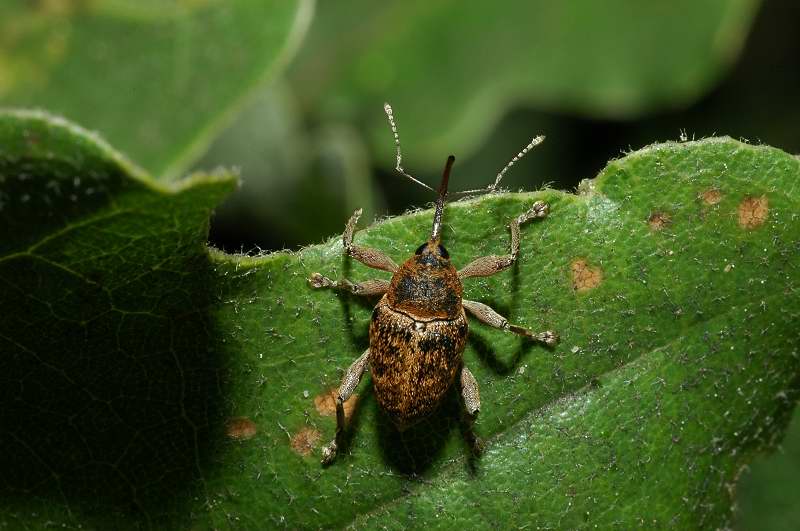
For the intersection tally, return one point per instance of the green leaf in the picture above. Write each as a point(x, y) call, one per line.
point(764, 501)
point(452, 69)
point(148, 381)
point(124, 67)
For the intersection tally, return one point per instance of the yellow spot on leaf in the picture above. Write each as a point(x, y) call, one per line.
point(585, 276)
point(304, 441)
point(240, 428)
point(753, 212)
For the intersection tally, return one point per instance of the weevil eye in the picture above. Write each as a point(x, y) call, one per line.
point(443, 252)
point(420, 248)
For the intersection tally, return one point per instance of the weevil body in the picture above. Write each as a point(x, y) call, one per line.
point(419, 327)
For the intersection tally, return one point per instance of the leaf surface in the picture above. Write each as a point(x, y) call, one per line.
point(148, 381)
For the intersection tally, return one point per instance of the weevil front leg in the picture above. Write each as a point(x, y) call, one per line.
point(489, 265)
point(349, 383)
point(486, 314)
point(472, 405)
point(366, 255)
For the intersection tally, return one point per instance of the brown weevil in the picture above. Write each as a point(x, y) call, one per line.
point(419, 327)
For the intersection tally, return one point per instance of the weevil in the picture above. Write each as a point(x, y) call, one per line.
point(419, 327)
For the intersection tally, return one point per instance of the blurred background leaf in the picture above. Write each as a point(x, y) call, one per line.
point(158, 78)
point(452, 69)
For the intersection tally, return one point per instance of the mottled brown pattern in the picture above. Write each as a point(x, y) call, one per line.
point(413, 362)
point(426, 286)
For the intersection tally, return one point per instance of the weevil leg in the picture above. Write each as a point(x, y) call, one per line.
point(472, 405)
point(486, 314)
point(369, 257)
point(470, 392)
point(489, 265)
point(366, 288)
point(349, 383)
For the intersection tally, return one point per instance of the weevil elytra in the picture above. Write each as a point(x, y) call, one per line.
point(419, 327)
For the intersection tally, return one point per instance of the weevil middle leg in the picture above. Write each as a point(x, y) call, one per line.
point(485, 314)
point(349, 383)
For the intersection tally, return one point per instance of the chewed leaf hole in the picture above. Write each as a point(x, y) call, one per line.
point(753, 212)
point(585, 276)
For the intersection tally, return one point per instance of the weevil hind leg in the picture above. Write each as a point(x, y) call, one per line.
point(489, 265)
point(351, 379)
point(471, 401)
point(487, 315)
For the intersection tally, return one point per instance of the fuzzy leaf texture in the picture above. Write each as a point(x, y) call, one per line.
point(146, 381)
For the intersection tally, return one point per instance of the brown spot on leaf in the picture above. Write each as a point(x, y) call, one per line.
point(585, 276)
point(658, 220)
point(326, 403)
point(240, 428)
point(712, 196)
point(753, 212)
point(304, 441)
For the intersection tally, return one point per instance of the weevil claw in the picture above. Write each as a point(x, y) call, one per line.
point(478, 446)
point(329, 453)
point(318, 281)
point(549, 338)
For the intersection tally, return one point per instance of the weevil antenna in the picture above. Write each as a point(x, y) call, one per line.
point(436, 232)
point(492, 187)
point(399, 154)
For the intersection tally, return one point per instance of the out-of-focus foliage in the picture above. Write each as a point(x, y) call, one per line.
point(451, 69)
point(156, 77)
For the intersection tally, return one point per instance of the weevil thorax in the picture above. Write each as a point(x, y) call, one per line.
point(427, 285)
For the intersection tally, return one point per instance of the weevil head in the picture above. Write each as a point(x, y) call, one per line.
point(431, 254)
point(427, 284)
